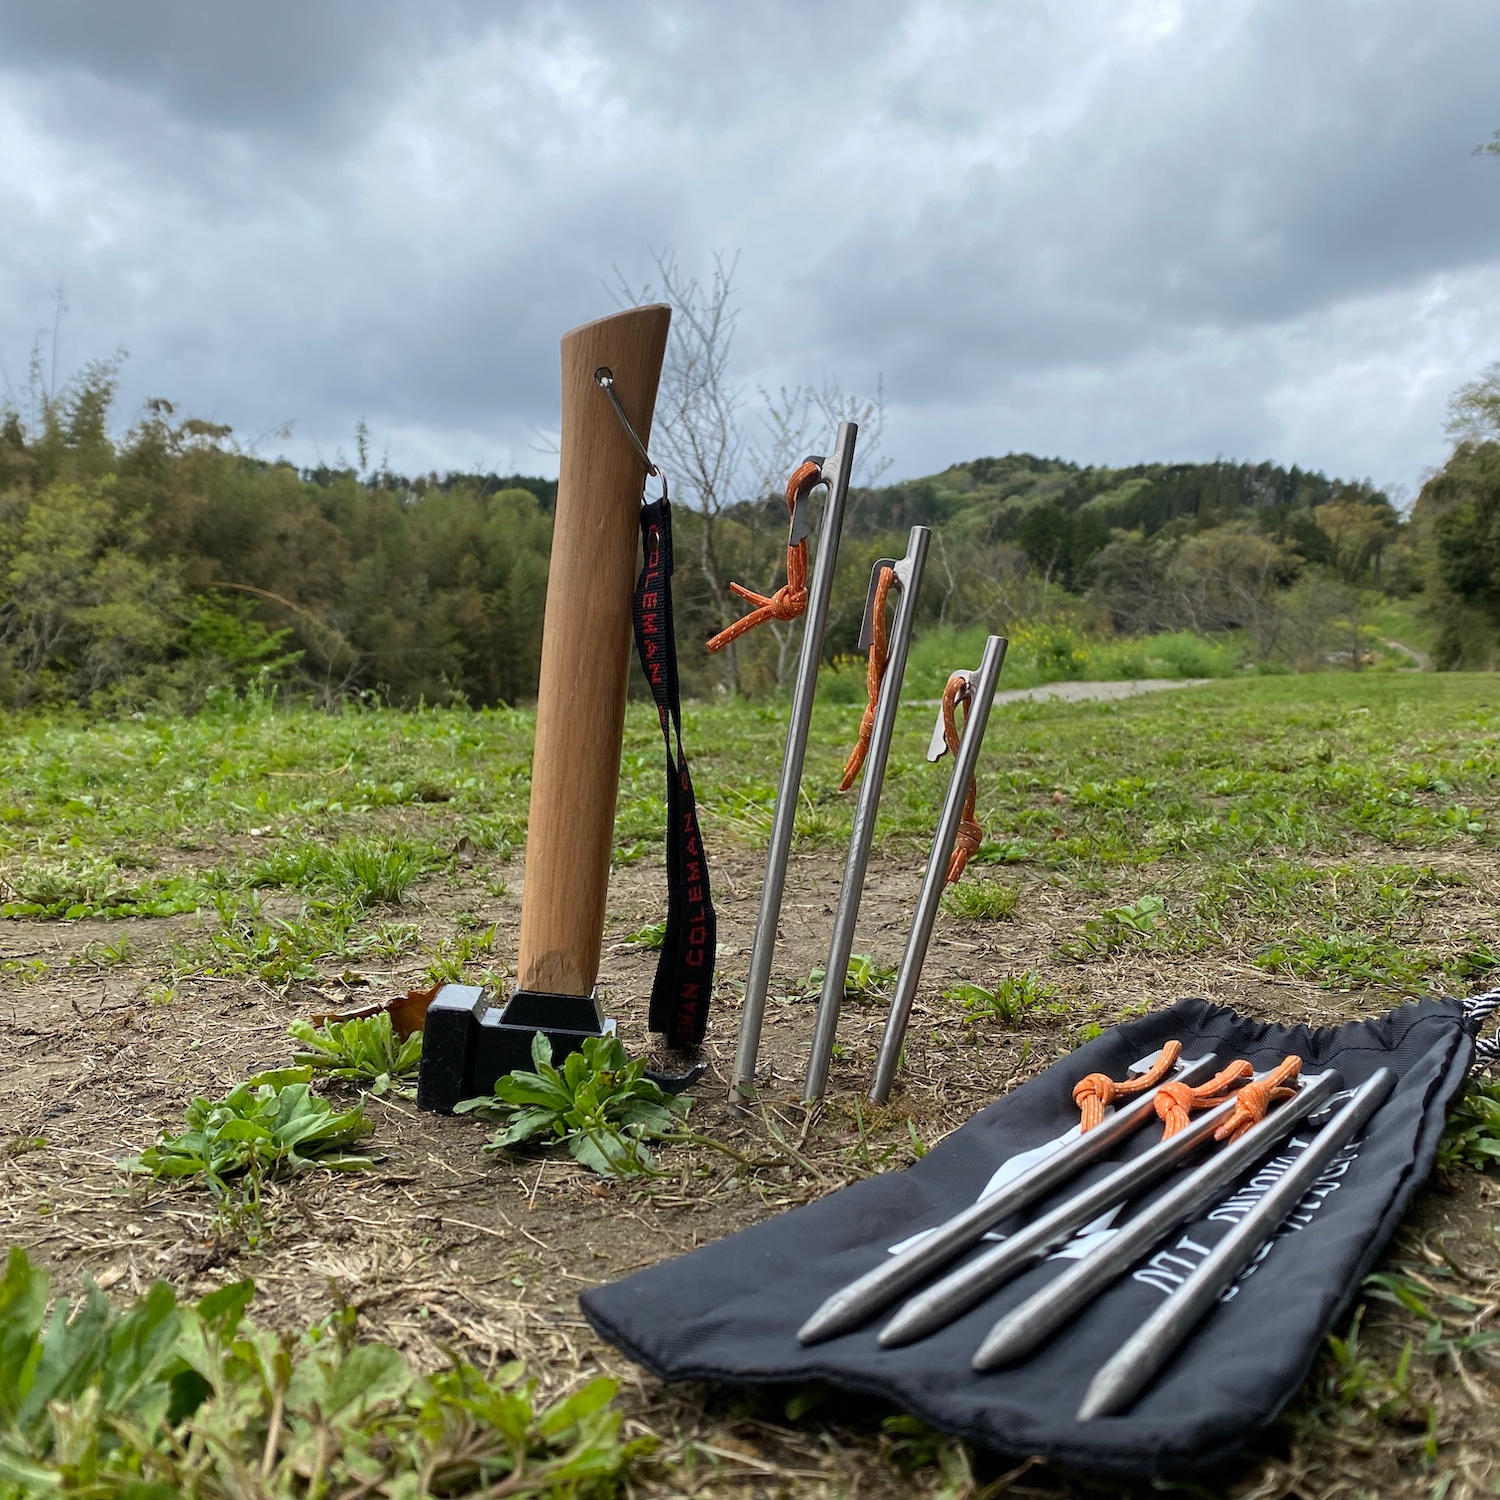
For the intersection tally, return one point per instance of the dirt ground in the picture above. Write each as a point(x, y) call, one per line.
point(445, 1243)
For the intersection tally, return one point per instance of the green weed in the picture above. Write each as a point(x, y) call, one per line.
point(910, 1445)
point(101, 955)
point(1010, 999)
point(1474, 960)
point(165, 1398)
point(1472, 1135)
point(649, 938)
point(95, 887)
point(279, 949)
point(389, 940)
point(1359, 1381)
point(363, 1050)
point(361, 872)
point(864, 979)
point(1004, 852)
point(453, 959)
point(1345, 960)
point(599, 1104)
point(27, 970)
point(982, 900)
point(271, 1126)
point(498, 836)
point(1115, 927)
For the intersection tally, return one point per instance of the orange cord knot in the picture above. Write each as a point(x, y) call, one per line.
point(970, 834)
point(874, 676)
point(790, 600)
point(1094, 1094)
point(1252, 1101)
point(1176, 1101)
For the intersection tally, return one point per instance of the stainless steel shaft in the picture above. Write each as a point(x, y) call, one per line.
point(1025, 1327)
point(973, 1281)
point(931, 894)
point(836, 472)
point(909, 577)
point(851, 1305)
point(1118, 1384)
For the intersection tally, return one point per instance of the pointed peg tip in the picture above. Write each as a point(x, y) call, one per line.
point(906, 1327)
point(1104, 1398)
point(831, 1318)
point(1006, 1344)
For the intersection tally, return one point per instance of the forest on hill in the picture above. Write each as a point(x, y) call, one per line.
point(162, 563)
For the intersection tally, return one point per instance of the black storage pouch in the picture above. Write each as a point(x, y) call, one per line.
point(730, 1310)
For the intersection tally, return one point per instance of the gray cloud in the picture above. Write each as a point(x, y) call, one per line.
point(1116, 229)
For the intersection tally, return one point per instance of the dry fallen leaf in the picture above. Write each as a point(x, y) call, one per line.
point(408, 1012)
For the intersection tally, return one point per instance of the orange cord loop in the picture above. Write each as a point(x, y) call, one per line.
point(790, 600)
point(1252, 1101)
point(1094, 1094)
point(970, 834)
point(1176, 1101)
point(874, 676)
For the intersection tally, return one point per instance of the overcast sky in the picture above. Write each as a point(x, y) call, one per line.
point(1114, 230)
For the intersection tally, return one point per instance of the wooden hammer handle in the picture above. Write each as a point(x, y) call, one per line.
point(580, 714)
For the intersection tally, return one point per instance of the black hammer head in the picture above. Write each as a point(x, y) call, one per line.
point(468, 1043)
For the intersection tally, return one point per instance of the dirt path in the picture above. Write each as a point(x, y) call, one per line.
point(1422, 662)
point(1083, 692)
point(1088, 692)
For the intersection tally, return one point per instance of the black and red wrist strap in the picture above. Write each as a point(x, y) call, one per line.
point(683, 986)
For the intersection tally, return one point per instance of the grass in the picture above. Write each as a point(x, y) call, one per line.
point(362, 871)
point(454, 959)
point(1263, 767)
point(1058, 652)
point(1325, 844)
point(1345, 960)
point(982, 900)
point(1406, 621)
point(279, 950)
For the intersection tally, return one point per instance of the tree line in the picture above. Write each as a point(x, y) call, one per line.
point(163, 564)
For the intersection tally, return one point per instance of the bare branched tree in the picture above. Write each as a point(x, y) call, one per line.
point(723, 463)
point(697, 435)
